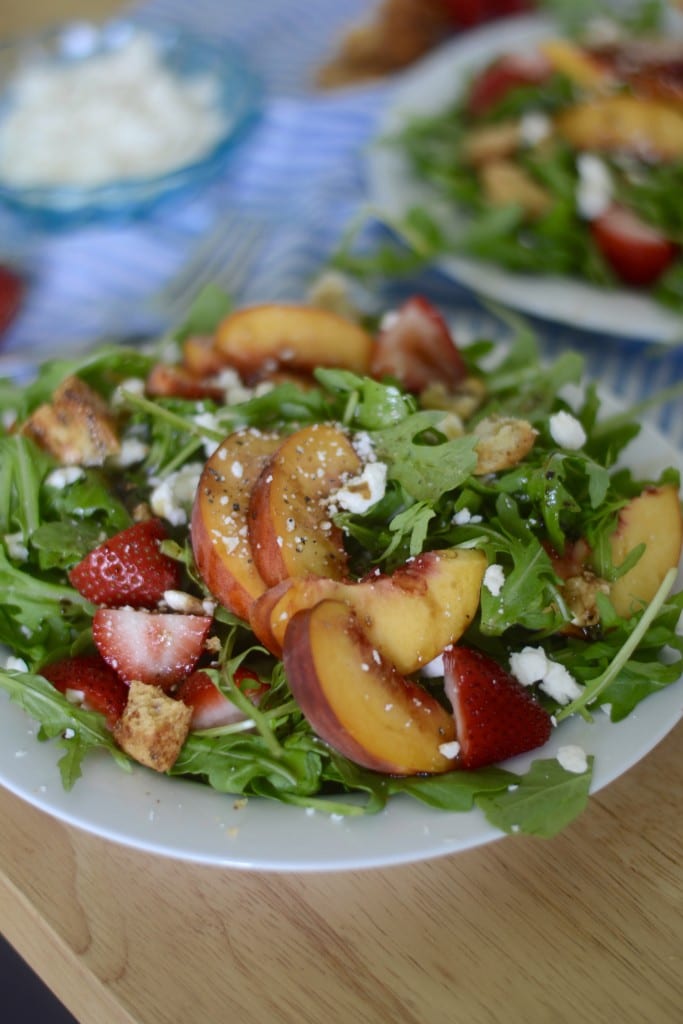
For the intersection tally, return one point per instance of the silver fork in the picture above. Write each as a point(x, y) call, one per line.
point(225, 256)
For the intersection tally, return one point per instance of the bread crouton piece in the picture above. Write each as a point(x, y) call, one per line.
point(492, 142)
point(76, 426)
point(503, 442)
point(505, 183)
point(153, 726)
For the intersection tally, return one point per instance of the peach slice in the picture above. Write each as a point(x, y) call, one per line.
point(357, 702)
point(219, 531)
point(409, 616)
point(289, 527)
point(294, 336)
point(652, 518)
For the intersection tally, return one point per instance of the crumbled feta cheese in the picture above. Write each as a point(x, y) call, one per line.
point(133, 386)
point(389, 319)
point(534, 127)
point(494, 578)
point(449, 750)
point(464, 516)
point(363, 446)
point(13, 664)
point(572, 758)
point(532, 665)
point(209, 422)
point(363, 491)
point(559, 684)
point(16, 549)
point(172, 497)
point(64, 476)
point(434, 668)
point(180, 601)
point(529, 665)
point(132, 450)
point(594, 188)
point(566, 430)
point(120, 113)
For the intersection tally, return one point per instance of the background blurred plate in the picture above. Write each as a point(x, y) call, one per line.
point(394, 189)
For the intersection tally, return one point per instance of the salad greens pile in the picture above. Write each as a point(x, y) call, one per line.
point(556, 242)
point(551, 498)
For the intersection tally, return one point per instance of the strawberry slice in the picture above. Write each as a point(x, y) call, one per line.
point(506, 73)
point(468, 13)
point(637, 252)
point(210, 707)
point(160, 648)
point(128, 569)
point(12, 288)
point(416, 347)
point(495, 716)
point(91, 683)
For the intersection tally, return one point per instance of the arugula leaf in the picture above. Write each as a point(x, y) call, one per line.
point(208, 308)
point(541, 803)
point(457, 790)
point(425, 470)
point(80, 731)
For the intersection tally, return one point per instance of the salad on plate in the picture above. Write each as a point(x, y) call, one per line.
point(300, 557)
point(527, 152)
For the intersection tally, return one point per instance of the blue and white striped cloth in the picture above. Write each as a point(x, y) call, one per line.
point(301, 170)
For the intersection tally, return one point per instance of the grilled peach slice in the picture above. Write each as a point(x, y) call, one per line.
point(293, 336)
point(357, 701)
point(409, 616)
point(219, 532)
point(289, 528)
point(652, 518)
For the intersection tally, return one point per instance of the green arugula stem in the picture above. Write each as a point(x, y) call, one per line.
point(200, 431)
point(595, 687)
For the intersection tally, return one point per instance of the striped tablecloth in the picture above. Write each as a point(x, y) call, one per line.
point(302, 170)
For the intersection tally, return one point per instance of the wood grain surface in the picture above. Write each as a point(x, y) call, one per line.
point(587, 926)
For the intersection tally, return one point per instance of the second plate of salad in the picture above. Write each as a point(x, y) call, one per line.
point(500, 141)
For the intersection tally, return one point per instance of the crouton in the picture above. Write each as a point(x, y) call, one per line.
point(491, 142)
point(153, 726)
point(75, 426)
point(506, 183)
point(503, 442)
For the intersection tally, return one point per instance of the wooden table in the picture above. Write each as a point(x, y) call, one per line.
point(585, 927)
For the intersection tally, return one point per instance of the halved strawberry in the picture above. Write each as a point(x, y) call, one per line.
point(416, 347)
point(210, 707)
point(467, 13)
point(12, 287)
point(508, 72)
point(90, 682)
point(637, 252)
point(128, 569)
point(155, 647)
point(495, 716)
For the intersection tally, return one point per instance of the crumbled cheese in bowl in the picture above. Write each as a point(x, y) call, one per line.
point(115, 115)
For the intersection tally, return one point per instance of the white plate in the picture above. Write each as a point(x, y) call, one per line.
point(189, 821)
point(394, 189)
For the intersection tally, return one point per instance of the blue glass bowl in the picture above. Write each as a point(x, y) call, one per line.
point(238, 88)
